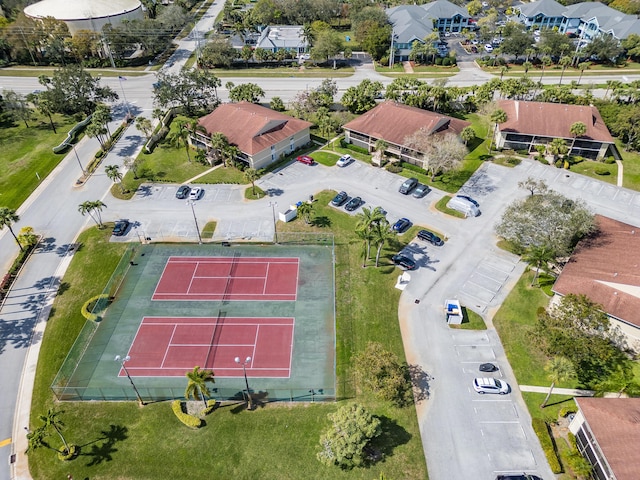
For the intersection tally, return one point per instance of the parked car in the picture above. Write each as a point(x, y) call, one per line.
point(408, 185)
point(401, 225)
point(339, 199)
point(120, 228)
point(488, 48)
point(404, 262)
point(183, 192)
point(352, 204)
point(484, 385)
point(196, 193)
point(487, 367)
point(344, 160)
point(306, 159)
point(420, 191)
point(430, 237)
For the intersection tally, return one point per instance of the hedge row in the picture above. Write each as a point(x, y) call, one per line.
point(542, 431)
point(211, 405)
point(189, 420)
point(413, 168)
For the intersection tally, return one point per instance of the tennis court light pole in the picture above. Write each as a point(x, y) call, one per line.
point(246, 382)
point(122, 362)
point(273, 206)
point(192, 203)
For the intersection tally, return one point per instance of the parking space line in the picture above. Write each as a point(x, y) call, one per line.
point(500, 421)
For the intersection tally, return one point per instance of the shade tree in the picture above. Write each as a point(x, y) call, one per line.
point(545, 219)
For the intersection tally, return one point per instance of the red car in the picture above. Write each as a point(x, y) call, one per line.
point(306, 159)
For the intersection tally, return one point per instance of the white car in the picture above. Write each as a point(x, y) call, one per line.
point(488, 48)
point(344, 160)
point(195, 193)
point(484, 385)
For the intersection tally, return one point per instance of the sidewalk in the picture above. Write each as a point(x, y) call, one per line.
point(558, 391)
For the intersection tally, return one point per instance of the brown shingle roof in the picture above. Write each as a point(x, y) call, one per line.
point(251, 127)
point(606, 268)
point(393, 122)
point(615, 423)
point(553, 119)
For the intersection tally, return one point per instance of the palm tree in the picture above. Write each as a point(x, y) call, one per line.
point(115, 175)
point(546, 61)
point(539, 256)
point(8, 217)
point(526, 65)
point(251, 175)
point(144, 125)
point(219, 144)
point(582, 67)
point(382, 233)
point(559, 369)
point(197, 385)
point(564, 63)
point(36, 439)
point(180, 136)
point(308, 34)
point(305, 209)
point(497, 117)
point(231, 153)
point(51, 419)
point(365, 222)
point(94, 210)
point(366, 236)
point(558, 147)
point(577, 130)
point(467, 134)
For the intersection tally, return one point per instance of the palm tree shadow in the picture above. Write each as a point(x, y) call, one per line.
point(102, 452)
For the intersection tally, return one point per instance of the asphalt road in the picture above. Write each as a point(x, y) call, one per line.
point(458, 431)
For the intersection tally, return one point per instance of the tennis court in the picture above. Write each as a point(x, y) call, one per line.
point(165, 347)
point(174, 307)
point(228, 278)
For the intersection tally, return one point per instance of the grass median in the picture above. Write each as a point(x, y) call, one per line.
point(122, 440)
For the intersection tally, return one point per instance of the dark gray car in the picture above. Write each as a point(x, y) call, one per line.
point(408, 185)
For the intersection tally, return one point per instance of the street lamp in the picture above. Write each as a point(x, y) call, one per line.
point(84, 172)
point(246, 382)
point(392, 51)
point(122, 362)
point(124, 97)
point(192, 203)
point(273, 206)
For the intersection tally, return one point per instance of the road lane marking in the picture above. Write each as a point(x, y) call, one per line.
point(5, 442)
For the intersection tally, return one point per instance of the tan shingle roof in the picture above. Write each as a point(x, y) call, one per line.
point(606, 268)
point(615, 423)
point(552, 119)
point(251, 127)
point(393, 122)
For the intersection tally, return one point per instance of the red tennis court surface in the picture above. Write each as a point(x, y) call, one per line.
point(228, 278)
point(169, 346)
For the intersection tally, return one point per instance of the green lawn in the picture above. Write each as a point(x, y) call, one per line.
point(589, 169)
point(121, 440)
point(471, 321)
point(630, 168)
point(26, 154)
point(515, 322)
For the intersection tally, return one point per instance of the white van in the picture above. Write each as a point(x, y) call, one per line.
point(464, 206)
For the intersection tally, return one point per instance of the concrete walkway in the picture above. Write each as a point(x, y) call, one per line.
point(620, 173)
point(558, 391)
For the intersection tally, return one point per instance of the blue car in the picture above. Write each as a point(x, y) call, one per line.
point(401, 225)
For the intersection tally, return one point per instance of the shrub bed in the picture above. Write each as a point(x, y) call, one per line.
point(189, 420)
point(87, 307)
point(542, 431)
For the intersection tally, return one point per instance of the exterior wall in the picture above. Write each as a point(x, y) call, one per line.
point(541, 21)
point(272, 154)
point(399, 151)
point(455, 24)
point(96, 24)
point(588, 448)
point(631, 333)
point(581, 147)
